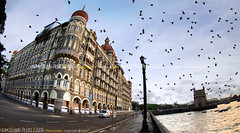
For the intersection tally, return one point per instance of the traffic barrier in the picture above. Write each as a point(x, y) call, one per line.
point(64, 109)
point(34, 103)
point(28, 101)
point(40, 105)
point(76, 110)
point(51, 107)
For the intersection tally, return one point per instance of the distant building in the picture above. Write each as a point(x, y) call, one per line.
point(200, 99)
point(66, 67)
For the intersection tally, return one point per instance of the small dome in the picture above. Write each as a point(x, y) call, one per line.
point(15, 52)
point(107, 47)
point(81, 13)
point(129, 82)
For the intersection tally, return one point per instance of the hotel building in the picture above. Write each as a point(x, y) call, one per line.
point(65, 68)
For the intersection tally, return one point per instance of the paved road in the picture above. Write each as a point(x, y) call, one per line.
point(16, 116)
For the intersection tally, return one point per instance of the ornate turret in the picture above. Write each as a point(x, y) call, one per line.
point(109, 49)
point(80, 14)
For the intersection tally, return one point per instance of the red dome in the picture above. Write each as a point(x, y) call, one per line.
point(81, 13)
point(107, 47)
point(129, 82)
point(15, 52)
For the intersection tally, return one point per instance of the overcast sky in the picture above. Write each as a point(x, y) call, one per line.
point(186, 44)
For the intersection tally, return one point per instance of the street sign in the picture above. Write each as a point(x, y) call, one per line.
point(90, 96)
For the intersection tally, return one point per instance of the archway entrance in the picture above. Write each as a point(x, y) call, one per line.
point(21, 95)
point(36, 97)
point(76, 105)
point(45, 100)
point(104, 106)
point(94, 106)
point(99, 107)
point(85, 104)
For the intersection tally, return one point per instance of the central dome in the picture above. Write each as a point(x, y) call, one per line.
point(107, 47)
point(81, 13)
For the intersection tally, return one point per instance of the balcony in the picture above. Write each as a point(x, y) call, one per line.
point(67, 53)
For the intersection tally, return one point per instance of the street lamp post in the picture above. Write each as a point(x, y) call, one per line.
point(144, 123)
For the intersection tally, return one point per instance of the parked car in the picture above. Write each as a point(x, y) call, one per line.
point(104, 113)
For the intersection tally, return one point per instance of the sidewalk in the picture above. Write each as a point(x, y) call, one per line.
point(133, 125)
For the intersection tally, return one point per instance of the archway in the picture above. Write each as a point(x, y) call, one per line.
point(45, 100)
point(66, 99)
point(104, 106)
point(21, 95)
point(76, 105)
point(36, 97)
point(18, 94)
point(99, 106)
point(94, 106)
point(85, 104)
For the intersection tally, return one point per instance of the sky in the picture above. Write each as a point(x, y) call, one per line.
point(187, 44)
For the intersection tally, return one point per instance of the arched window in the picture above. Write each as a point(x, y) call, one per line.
point(85, 90)
point(49, 78)
point(58, 80)
point(82, 88)
point(65, 81)
point(77, 86)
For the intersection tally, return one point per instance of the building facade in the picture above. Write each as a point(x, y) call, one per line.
point(65, 67)
point(200, 99)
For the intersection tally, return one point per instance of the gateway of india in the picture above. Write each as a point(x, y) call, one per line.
point(65, 70)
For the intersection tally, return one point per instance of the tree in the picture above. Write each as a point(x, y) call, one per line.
point(135, 105)
point(3, 15)
point(3, 62)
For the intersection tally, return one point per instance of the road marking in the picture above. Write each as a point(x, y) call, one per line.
point(85, 120)
point(72, 121)
point(1, 118)
point(27, 121)
point(56, 116)
point(53, 122)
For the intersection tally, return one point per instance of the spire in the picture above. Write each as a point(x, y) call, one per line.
point(107, 40)
point(83, 8)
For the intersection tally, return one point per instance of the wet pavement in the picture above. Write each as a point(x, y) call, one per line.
point(132, 125)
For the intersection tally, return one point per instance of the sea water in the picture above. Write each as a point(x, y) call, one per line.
point(207, 121)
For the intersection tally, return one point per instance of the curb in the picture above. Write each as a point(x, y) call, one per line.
point(98, 130)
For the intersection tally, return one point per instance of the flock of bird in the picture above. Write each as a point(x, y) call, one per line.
point(209, 85)
point(184, 16)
